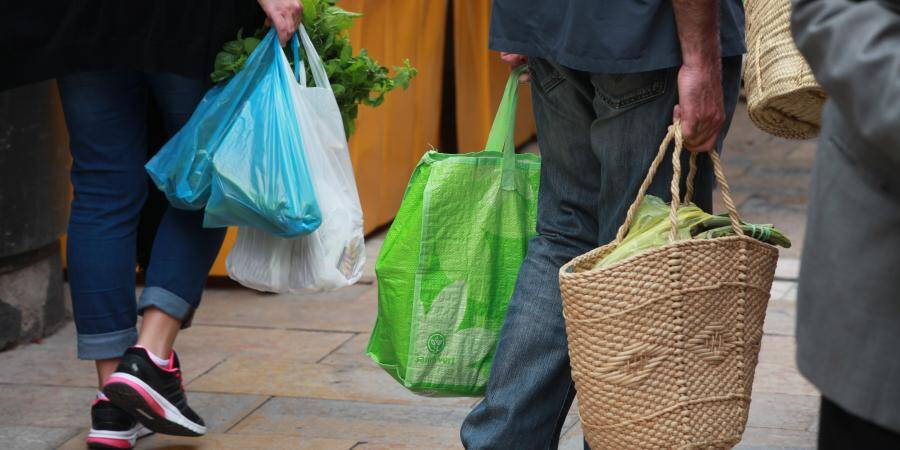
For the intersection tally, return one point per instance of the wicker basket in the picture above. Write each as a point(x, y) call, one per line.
point(783, 97)
point(664, 344)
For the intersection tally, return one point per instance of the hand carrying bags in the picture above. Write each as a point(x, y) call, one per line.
point(450, 261)
point(664, 344)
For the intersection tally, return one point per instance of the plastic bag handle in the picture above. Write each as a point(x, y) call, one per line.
point(316, 66)
point(674, 132)
point(501, 137)
point(299, 69)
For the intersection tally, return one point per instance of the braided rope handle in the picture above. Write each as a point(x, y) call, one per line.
point(692, 173)
point(674, 133)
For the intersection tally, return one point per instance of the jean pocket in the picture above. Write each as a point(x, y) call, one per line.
point(620, 91)
point(544, 74)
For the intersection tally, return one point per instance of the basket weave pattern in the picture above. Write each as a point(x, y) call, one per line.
point(664, 344)
point(783, 97)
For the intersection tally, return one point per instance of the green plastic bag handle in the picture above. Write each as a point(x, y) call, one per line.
point(501, 137)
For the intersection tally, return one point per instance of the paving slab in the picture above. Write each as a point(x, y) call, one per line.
point(19, 437)
point(423, 425)
point(241, 374)
point(352, 353)
point(68, 407)
point(373, 246)
point(780, 289)
point(216, 441)
point(46, 406)
point(777, 371)
point(39, 363)
point(222, 412)
point(304, 346)
point(396, 446)
point(787, 268)
point(783, 411)
point(781, 318)
point(573, 438)
point(775, 439)
point(804, 152)
point(351, 309)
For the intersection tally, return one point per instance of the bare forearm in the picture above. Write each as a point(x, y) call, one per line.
point(698, 31)
point(700, 106)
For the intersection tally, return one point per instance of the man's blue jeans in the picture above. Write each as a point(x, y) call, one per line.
point(106, 114)
point(598, 134)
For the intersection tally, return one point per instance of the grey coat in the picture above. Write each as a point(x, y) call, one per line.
point(848, 329)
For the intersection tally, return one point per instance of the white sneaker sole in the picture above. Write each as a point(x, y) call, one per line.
point(148, 406)
point(116, 439)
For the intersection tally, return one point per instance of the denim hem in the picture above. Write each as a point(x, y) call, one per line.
point(166, 301)
point(106, 345)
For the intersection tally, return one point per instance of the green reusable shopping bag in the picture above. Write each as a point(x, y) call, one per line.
point(450, 261)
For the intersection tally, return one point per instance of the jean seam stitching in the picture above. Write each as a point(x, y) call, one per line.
point(654, 89)
point(552, 83)
point(559, 415)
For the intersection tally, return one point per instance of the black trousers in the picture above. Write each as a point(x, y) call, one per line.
point(840, 430)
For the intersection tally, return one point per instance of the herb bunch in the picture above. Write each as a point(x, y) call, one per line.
point(355, 79)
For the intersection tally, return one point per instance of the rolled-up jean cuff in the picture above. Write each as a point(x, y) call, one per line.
point(106, 345)
point(167, 302)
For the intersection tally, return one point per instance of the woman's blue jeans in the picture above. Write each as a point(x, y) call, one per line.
point(106, 114)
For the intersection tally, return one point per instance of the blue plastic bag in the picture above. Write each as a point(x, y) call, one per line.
point(241, 155)
point(183, 166)
point(260, 176)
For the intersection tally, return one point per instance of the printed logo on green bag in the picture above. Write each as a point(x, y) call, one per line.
point(436, 343)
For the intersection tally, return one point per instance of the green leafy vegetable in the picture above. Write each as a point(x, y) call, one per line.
point(355, 79)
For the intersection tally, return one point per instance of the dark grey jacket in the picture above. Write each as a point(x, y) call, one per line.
point(848, 330)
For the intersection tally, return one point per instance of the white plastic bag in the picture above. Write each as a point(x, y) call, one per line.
point(332, 256)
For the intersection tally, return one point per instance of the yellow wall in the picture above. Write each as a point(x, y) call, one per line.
point(480, 78)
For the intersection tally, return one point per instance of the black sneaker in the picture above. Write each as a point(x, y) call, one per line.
point(112, 427)
point(153, 395)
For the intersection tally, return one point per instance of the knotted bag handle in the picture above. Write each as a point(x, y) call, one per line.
point(674, 133)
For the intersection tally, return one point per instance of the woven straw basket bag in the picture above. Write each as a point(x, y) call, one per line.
point(663, 345)
point(783, 97)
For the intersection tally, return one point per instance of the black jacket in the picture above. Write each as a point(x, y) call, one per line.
point(51, 38)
